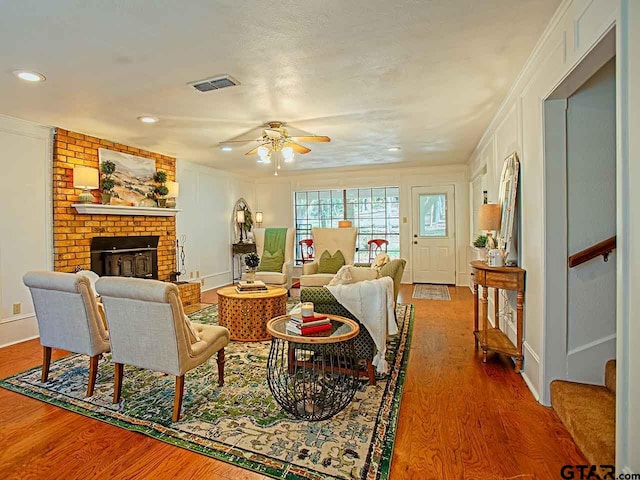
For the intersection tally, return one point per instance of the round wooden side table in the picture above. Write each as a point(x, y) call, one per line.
point(313, 376)
point(246, 314)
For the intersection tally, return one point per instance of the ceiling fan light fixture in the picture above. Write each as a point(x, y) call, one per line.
point(226, 148)
point(288, 154)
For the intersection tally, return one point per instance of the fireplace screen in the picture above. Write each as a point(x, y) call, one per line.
point(125, 256)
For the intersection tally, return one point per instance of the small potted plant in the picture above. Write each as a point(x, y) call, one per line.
point(480, 244)
point(251, 260)
point(107, 183)
point(160, 191)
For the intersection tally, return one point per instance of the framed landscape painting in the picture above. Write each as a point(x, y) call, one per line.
point(133, 175)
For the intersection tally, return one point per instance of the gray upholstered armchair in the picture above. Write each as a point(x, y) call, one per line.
point(325, 302)
point(149, 329)
point(68, 318)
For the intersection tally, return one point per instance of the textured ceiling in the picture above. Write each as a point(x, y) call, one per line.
point(424, 75)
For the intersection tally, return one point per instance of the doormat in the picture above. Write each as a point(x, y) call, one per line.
point(431, 292)
point(240, 423)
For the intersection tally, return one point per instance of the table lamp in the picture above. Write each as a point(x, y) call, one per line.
point(87, 179)
point(489, 220)
point(240, 222)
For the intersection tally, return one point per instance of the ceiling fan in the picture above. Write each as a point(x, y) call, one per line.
point(276, 138)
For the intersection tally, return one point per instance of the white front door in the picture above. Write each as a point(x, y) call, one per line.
point(434, 245)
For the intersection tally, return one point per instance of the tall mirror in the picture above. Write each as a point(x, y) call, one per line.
point(507, 201)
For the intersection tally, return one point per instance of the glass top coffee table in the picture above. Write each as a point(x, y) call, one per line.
point(313, 376)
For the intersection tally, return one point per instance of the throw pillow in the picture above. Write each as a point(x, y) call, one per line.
point(343, 276)
point(380, 260)
point(330, 263)
point(351, 274)
point(271, 261)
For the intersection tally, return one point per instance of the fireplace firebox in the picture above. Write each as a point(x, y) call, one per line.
point(125, 256)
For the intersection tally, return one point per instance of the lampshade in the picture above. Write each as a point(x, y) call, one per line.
point(258, 217)
point(489, 216)
point(86, 178)
point(240, 216)
point(173, 187)
point(345, 224)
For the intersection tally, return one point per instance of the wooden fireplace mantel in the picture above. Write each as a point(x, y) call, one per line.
point(98, 209)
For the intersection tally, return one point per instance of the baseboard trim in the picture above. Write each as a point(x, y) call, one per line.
point(533, 390)
point(19, 341)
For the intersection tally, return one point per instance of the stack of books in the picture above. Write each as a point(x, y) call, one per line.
point(254, 287)
point(306, 325)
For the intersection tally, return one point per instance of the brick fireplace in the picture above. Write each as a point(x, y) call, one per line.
point(73, 232)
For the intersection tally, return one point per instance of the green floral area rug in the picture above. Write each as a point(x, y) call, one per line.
point(240, 423)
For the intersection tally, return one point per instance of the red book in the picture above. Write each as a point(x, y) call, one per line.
point(318, 328)
point(301, 319)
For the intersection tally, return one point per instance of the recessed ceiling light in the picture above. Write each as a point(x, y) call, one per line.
point(30, 76)
point(394, 149)
point(147, 119)
point(226, 148)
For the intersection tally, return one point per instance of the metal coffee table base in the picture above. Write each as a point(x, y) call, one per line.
point(312, 383)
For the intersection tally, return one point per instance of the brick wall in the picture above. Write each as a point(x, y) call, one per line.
point(72, 232)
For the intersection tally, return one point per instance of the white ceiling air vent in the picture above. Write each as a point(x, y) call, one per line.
point(215, 83)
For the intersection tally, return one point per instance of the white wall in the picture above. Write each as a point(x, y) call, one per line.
point(573, 31)
point(576, 27)
point(207, 198)
point(274, 196)
point(591, 202)
point(25, 221)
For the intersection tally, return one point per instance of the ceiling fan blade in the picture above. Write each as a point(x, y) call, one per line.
point(248, 140)
point(298, 148)
point(255, 150)
point(272, 133)
point(312, 138)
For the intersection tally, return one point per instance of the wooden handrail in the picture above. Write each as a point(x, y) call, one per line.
point(603, 248)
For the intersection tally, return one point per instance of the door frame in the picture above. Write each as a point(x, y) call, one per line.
point(412, 213)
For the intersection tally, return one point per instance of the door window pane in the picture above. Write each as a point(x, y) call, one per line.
point(433, 215)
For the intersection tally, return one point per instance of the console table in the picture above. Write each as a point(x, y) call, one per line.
point(240, 249)
point(507, 278)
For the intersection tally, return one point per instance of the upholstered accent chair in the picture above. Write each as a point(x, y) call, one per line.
point(331, 240)
point(325, 302)
point(148, 329)
point(68, 318)
point(281, 278)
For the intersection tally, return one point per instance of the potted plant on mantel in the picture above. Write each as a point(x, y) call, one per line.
point(107, 183)
point(160, 191)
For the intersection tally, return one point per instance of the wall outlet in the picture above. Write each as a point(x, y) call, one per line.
point(17, 308)
point(198, 273)
point(404, 219)
point(202, 282)
point(190, 274)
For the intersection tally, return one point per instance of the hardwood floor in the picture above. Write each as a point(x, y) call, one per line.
point(459, 419)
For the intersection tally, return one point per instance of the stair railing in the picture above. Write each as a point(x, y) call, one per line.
point(603, 248)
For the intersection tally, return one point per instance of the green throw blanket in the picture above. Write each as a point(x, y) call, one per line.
point(273, 251)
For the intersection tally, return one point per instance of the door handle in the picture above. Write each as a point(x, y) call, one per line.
point(415, 235)
point(415, 242)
